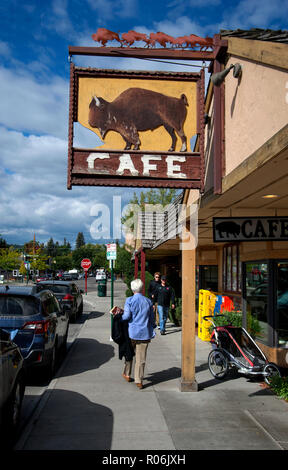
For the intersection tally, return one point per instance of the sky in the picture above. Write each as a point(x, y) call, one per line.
point(34, 97)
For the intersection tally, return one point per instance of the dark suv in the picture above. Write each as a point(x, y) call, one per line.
point(68, 294)
point(36, 323)
point(12, 386)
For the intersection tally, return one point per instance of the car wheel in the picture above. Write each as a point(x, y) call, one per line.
point(50, 369)
point(64, 344)
point(80, 310)
point(13, 410)
point(73, 317)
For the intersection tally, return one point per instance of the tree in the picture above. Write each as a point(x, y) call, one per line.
point(50, 248)
point(31, 247)
point(3, 243)
point(160, 198)
point(38, 260)
point(9, 259)
point(63, 262)
point(23, 269)
point(80, 240)
point(96, 253)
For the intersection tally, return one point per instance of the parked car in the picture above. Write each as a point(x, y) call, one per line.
point(36, 323)
point(68, 295)
point(42, 278)
point(100, 275)
point(12, 386)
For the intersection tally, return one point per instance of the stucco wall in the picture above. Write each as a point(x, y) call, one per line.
point(256, 107)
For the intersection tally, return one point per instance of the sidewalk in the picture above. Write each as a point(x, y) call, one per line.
point(89, 406)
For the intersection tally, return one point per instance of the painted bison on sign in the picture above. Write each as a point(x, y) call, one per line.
point(137, 109)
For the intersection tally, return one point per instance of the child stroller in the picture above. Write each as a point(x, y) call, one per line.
point(233, 348)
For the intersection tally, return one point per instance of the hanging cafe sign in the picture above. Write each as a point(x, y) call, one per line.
point(143, 122)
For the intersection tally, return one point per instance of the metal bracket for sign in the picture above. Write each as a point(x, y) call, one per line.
point(94, 167)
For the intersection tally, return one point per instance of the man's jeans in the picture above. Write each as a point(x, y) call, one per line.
point(163, 315)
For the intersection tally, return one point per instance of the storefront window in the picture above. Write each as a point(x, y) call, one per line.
point(257, 300)
point(282, 304)
point(231, 269)
point(209, 277)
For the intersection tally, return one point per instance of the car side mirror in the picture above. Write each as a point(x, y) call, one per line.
point(82, 291)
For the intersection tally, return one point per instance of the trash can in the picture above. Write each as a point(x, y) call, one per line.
point(102, 288)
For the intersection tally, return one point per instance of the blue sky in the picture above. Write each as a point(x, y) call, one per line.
point(34, 93)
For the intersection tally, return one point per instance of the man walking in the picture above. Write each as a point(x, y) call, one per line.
point(153, 286)
point(164, 296)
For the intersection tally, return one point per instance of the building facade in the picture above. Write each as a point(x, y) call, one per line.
point(246, 177)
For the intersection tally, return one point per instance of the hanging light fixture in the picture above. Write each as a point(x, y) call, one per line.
point(219, 77)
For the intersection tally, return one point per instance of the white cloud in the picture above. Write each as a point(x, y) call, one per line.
point(5, 50)
point(30, 105)
point(34, 197)
point(109, 8)
point(253, 14)
point(180, 26)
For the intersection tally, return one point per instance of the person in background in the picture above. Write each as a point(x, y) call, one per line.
point(153, 285)
point(139, 313)
point(164, 296)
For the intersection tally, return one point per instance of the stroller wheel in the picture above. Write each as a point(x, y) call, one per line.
point(270, 370)
point(218, 363)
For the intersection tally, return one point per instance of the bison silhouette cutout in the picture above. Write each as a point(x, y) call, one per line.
point(137, 109)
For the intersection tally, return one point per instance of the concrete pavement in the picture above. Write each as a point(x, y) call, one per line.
point(89, 406)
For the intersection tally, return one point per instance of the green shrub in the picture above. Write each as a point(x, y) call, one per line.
point(279, 385)
point(129, 278)
point(148, 278)
point(176, 314)
point(253, 325)
point(228, 318)
point(235, 319)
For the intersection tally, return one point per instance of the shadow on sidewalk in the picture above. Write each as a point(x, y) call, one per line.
point(70, 421)
point(88, 354)
point(163, 376)
point(95, 314)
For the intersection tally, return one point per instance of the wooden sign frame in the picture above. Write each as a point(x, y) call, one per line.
point(135, 168)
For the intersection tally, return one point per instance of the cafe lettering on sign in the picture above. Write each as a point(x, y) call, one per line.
point(143, 122)
point(250, 229)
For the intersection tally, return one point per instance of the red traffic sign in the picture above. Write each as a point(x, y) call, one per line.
point(86, 264)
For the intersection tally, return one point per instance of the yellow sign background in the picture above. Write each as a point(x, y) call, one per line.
point(110, 88)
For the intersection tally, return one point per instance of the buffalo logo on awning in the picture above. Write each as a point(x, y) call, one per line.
point(250, 229)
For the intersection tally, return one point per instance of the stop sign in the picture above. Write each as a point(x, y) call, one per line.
point(86, 264)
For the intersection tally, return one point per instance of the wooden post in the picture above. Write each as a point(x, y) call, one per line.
point(188, 246)
point(143, 266)
point(136, 266)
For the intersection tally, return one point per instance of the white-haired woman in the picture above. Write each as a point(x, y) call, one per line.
point(139, 312)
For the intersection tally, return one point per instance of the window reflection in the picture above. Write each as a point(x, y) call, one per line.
point(282, 304)
point(257, 300)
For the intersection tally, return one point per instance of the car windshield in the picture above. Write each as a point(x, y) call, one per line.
point(18, 305)
point(57, 288)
